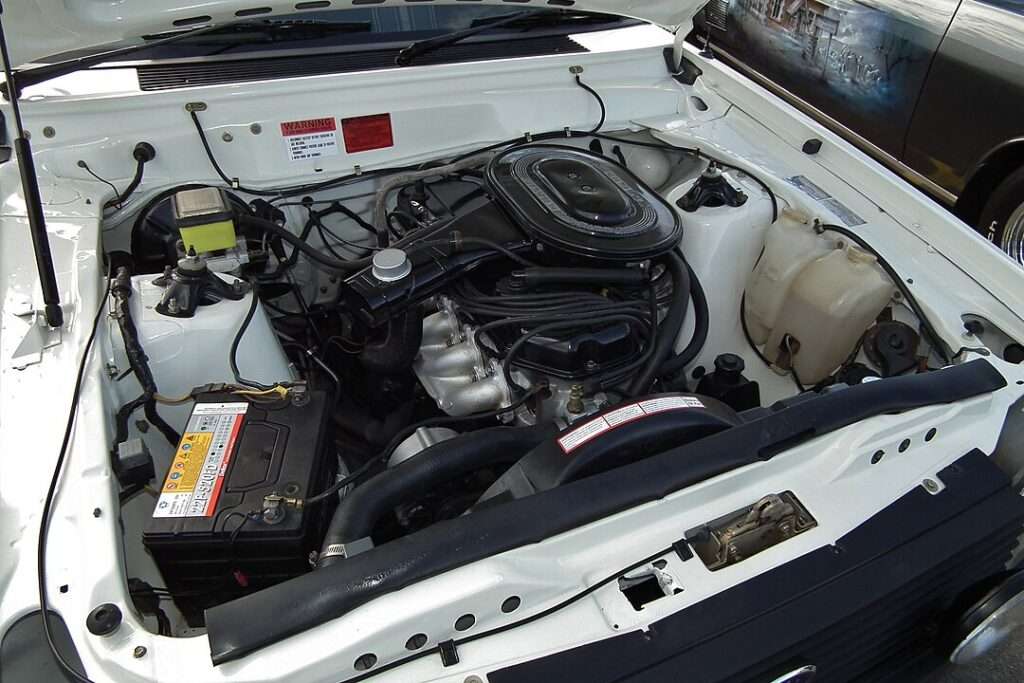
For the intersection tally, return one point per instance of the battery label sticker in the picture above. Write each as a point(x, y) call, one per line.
point(622, 416)
point(196, 476)
point(310, 138)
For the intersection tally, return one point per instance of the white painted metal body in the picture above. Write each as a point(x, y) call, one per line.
point(440, 111)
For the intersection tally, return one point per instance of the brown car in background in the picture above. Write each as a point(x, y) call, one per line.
point(934, 89)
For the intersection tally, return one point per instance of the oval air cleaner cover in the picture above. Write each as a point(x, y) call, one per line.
point(582, 203)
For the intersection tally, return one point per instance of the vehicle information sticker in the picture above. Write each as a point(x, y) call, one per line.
point(623, 415)
point(845, 213)
point(807, 186)
point(311, 138)
point(842, 211)
point(197, 472)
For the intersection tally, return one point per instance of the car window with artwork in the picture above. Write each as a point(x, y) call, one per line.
point(860, 62)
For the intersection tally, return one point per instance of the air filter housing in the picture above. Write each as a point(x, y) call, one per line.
point(582, 203)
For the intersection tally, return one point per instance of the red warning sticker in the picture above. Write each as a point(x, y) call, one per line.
point(623, 415)
point(310, 138)
point(363, 133)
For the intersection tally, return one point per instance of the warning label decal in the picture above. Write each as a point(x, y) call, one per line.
point(310, 138)
point(591, 429)
point(197, 472)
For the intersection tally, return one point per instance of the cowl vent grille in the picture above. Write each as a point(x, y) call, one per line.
point(186, 75)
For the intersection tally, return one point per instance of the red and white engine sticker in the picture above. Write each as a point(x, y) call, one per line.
point(194, 482)
point(591, 429)
point(310, 138)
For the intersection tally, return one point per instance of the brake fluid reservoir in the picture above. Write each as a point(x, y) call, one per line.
point(790, 245)
point(830, 304)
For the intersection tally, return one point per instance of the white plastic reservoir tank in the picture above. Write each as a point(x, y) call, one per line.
point(811, 299)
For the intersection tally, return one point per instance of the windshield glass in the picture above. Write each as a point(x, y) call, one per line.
point(356, 29)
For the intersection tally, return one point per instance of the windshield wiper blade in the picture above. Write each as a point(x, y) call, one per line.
point(45, 72)
point(271, 31)
point(527, 19)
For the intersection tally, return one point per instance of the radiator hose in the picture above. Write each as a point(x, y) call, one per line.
point(668, 330)
point(360, 510)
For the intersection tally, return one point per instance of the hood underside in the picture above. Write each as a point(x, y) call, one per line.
point(40, 28)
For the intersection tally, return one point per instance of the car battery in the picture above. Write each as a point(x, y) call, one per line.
point(211, 533)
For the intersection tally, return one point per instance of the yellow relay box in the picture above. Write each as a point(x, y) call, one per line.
point(204, 219)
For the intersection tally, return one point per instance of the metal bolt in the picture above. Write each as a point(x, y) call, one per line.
point(49, 132)
point(255, 128)
point(227, 137)
point(96, 512)
point(575, 69)
point(575, 403)
point(931, 486)
point(473, 679)
point(111, 370)
point(139, 652)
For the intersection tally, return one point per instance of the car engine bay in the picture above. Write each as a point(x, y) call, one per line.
point(556, 367)
point(479, 330)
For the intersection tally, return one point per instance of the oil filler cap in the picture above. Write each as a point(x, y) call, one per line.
point(391, 265)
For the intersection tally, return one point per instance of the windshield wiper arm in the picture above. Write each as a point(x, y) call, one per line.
point(422, 47)
point(527, 19)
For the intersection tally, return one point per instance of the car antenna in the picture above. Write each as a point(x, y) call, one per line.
point(33, 203)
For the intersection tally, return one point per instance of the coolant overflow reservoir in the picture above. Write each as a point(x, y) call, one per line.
point(828, 304)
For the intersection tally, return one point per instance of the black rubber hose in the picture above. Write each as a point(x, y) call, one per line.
point(701, 317)
point(360, 510)
point(326, 262)
point(668, 330)
point(535, 277)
